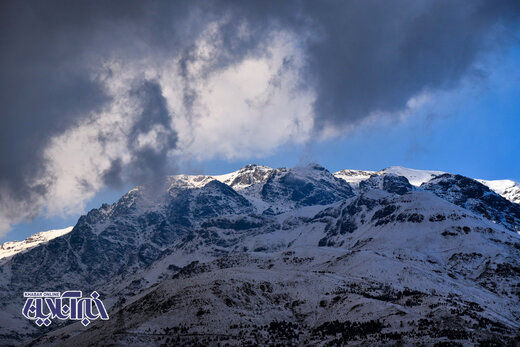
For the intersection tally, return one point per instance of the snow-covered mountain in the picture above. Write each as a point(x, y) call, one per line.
point(507, 188)
point(288, 256)
point(10, 248)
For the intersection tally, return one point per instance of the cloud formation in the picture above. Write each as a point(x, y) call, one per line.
point(101, 93)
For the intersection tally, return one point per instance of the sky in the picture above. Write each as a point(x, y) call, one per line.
point(101, 96)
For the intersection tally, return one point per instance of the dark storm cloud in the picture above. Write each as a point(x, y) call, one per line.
point(151, 160)
point(366, 56)
point(361, 57)
point(50, 55)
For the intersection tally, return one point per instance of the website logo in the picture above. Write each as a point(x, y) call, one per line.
point(43, 307)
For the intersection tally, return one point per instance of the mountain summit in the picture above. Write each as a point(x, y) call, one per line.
point(287, 256)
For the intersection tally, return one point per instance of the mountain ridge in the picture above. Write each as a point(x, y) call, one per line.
point(283, 229)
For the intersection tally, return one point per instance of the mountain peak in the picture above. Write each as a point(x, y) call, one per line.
point(246, 176)
point(415, 177)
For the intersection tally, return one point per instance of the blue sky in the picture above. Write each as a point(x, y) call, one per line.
point(473, 131)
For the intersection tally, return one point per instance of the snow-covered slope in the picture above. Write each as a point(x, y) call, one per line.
point(297, 256)
point(476, 197)
point(415, 177)
point(10, 248)
point(507, 188)
point(247, 176)
point(354, 177)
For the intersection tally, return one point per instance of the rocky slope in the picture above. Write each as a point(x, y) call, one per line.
point(292, 256)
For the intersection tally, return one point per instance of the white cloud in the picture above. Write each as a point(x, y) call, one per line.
point(248, 109)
